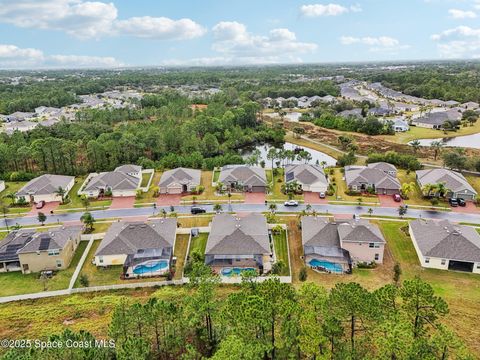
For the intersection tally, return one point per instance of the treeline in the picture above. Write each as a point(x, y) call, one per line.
point(402, 161)
point(452, 81)
point(167, 136)
point(272, 320)
point(369, 125)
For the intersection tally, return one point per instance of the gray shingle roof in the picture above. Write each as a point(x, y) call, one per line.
point(231, 235)
point(358, 175)
point(306, 174)
point(45, 185)
point(128, 237)
point(13, 242)
point(182, 176)
point(442, 239)
point(113, 179)
point(129, 168)
point(319, 231)
point(53, 239)
point(359, 231)
point(247, 175)
point(453, 180)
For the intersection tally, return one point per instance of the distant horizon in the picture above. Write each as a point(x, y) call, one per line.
point(102, 34)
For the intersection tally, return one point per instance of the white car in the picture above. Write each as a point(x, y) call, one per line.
point(322, 195)
point(291, 203)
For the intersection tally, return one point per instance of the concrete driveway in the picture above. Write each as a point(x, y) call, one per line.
point(313, 198)
point(49, 206)
point(169, 199)
point(387, 201)
point(126, 202)
point(255, 198)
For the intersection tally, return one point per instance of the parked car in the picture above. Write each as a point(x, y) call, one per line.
point(291, 203)
point(322, 195)
point(397, 197)
point(453, 202)
point(461, 202)
point(197, 210)
point(40, 204)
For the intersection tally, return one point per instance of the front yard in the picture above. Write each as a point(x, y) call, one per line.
point(209, 191)
point(276, 187)
point(76, 201)
point(148, 197)
point(341, 190)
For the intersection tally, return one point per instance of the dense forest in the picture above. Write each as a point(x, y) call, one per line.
point(165, 135)
point(272, 320)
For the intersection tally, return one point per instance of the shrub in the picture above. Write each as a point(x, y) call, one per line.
point(302, 276)
point(84, 280)
point(365, 265)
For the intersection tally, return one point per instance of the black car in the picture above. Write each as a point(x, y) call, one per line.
point(197, 210)
point(461, 202)
point(453, 202)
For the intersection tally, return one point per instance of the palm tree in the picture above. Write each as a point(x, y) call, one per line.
point(61, 192)
point(407, 189)
point(429, 189)
point(4, 209)
point(272, 207)
point(217, 208)
point(88, 220)
point(85, 201)
point(12, 196)
point(436, 146)
point(415, 145)
point(442, 189)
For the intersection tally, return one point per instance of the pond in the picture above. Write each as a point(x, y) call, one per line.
point(290, 116)
point(317, 156)
point(471, 141)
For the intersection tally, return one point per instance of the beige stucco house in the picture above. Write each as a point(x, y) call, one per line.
point(45, 187)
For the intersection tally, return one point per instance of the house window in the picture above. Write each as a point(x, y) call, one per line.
point(478, 266)
point(53, 252)
point(377, 256)
point(100, 259)
point(444, 261)
point(427, 260)
point(373, 245)
point(59, 263)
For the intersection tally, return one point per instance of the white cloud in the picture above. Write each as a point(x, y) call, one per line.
point(462, 14)
point(92, 19)
point(13, 57)
point(459, 42)
point(233, 40)
point(316, 10)
point(160, 28)
point(384, 44)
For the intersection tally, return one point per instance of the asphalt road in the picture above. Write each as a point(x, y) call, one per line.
point(326, 208)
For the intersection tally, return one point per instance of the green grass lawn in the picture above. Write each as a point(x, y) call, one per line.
point(341, 187)
point(149, 197)
point(278, 180)
point(216, 175)
point(13, 187)
point(15, 283)
point(209, 192)
point(416, 132)
point(281, 250)
point(180, 252)
point(145, 179)
point(198, 243)
point(416, 197)
point(75, 200)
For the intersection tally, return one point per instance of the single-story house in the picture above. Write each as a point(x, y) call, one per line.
point(2, 185)
point(400, 125)
point(243, 178)
point(454, 181)
point(436, 120)
point(357, 113)
point(238, 242)
point(179, 180)
point(381, 177)
point(443, 245)
point(123, 181)
point(309, 177)
point(452, 103)
point(336, 246)
point(45, 187)
point(22, 126)
point(29, 251)
point(142, 248)
point(471, 105)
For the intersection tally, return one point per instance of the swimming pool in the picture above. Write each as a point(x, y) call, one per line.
point(327, 265)
point(235, 271)
point(151, 267)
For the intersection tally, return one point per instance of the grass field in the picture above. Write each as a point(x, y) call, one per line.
point(180, 252)
point(15, 283)
point(416, 132)
point(13, 187)
point(198, 243)
point(277, 182)
point(281, 250)
point(313, 145)
point(145, 179)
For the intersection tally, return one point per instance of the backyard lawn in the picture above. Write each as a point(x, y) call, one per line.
point(281, 250)
point(180, 252)
point(14, 283)
point(146, 178)
point(13, 187)
point(198, 243)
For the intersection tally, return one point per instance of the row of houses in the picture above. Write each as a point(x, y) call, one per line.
point(302, 102)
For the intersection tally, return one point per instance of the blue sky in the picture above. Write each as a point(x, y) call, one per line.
point(80, 33)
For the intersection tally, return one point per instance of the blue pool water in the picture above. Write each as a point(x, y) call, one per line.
point(152, 267)
point(336, 268)
point(234, 271)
